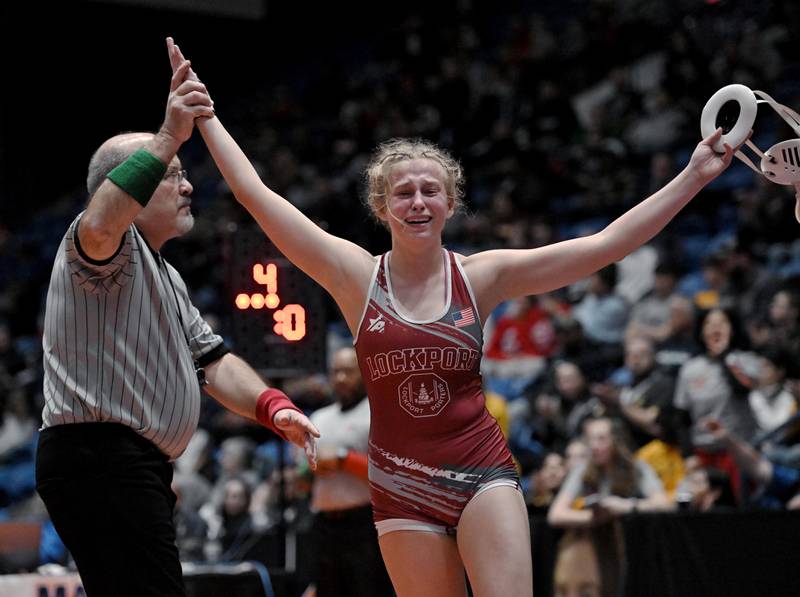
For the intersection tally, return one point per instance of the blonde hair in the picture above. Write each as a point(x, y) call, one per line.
point(394, 151)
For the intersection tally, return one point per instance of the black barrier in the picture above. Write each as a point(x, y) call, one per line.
point(544, 542)
point(689, 554)
point(726, 554)
point(674, 554)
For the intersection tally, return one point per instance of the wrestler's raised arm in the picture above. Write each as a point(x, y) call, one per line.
point(340, 266)
point(504, 274)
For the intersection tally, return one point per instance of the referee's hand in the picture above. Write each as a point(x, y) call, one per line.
point(300, 431)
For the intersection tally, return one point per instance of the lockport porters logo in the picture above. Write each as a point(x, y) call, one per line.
point(423, 394)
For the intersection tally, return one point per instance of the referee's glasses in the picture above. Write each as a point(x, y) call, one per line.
point(176, 176)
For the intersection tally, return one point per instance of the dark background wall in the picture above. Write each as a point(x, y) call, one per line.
point(73, 73)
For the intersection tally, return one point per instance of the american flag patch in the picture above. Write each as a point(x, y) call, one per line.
point(464, 317)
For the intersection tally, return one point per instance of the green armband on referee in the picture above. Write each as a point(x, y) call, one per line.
point(139, 175)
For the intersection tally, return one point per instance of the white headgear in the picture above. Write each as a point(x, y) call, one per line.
point(781, 162)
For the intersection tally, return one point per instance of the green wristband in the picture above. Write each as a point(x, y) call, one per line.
point(139, 175)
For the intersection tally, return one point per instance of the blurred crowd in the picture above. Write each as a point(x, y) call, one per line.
point(667, 380)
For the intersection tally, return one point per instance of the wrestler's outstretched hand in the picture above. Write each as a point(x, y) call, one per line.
point(176, 58)
point(706, 163)
point(192, 81)
point(187, 101)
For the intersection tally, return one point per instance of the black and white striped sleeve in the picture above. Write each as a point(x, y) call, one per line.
point(99, 276)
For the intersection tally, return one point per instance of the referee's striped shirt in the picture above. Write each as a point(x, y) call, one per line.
point(115, 349)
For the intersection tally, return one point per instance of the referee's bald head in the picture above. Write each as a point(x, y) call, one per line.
point(111, 154)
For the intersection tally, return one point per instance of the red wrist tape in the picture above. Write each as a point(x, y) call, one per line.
point(269, 402)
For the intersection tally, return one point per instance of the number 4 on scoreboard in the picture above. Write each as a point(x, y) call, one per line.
point(290, 322)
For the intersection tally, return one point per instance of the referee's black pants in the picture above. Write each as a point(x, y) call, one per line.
point(108, 493)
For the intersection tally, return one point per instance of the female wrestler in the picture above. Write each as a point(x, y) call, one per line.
point(444, 489)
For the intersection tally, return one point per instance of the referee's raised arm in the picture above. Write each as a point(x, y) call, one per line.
point(119, 196)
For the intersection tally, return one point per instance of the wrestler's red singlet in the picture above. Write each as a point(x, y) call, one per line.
point(432, 443)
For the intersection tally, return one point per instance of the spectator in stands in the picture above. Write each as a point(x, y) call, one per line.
point(573, 347)
point(716, 383)
point(575, 402)
point(519, 340)
point(194, 471)
point(651, 316)
point(771, 400)
point(636, 275)
point(576, 454)
point(554, 414)
point(713, 291)
point(612, 483)
point(232, 531)
point(542, 485)
point(645, 405)
point(777, 483)
point(680, 343)
point(234, 460)
point(707, 489)
point(191, 531)
point(282, 498)
point(603, 315)
point(783, 323)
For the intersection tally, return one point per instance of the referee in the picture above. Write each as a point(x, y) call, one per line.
point(125, 354)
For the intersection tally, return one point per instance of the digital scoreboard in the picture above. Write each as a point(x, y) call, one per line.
point(278, 313)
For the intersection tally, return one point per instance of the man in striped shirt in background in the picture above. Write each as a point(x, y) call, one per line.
point(125, 354)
